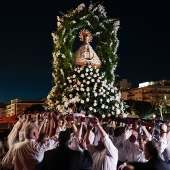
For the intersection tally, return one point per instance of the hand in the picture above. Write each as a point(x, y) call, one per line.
point(164, 127)
point(121, 167)
point(82, 144)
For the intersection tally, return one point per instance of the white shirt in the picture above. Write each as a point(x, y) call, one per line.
point(13, 135)
point(25, 155)
point(106, 159)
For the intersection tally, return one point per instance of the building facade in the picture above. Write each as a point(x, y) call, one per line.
point(17, 106)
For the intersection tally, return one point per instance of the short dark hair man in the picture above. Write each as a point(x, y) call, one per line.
point(64, 158)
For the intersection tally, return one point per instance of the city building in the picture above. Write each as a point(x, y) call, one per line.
point(147, 90)
point(124, 86)
point(17, 106)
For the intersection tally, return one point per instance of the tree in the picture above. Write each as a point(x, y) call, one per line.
point(159, 103)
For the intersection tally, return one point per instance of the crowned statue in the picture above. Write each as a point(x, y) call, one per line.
point(85, 55)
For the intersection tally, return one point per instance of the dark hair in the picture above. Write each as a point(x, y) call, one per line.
point(64, 138)
point(152, 148)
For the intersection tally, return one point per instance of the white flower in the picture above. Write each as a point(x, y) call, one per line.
point(70, 95)
point(101, 100)
point(106, 107)
point(73, 21)
point(90, 108)
point(103, 106)
point(75, 69)
point(103, 116)
point(112, 90)
point(97, 70)
point(82, 101)
point(86, 74)
point(82, 75)
point(95, 104)
point(88, 77)
point(70, 81)
point(118, 111)
point(88, 94)
point(82, 85)
point(108, 100)
point(98, 80)
point(74, 76)
point(91, 73)
point(77, 88)
point(88, 82)
point(87, 99)
point(81, 89)
point(95, 75)
point(92, 80)
point(87, 70)
point(108, 114)
point(65, 84)
point(95, 94)
point(87, 89)
point(94, 110)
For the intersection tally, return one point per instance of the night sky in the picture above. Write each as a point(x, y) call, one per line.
point(26, 43)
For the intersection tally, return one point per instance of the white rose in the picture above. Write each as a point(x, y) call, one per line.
point(103, 116)
point(82, 101)
point(90, 108)
point(92, 80)
point(108, 100)
point(108, 114)
point(103, 106)
point(118, 111)
point(88, 82)
point(86, 74)
point(95, 104)
point(70, 81)
point(82, 75)
point(87, 70)
point(74, 76)
point(87, 89)
point(95, 94)
point(87, 99)
point(91, 73)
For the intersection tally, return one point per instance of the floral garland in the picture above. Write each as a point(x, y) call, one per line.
point(89, 88)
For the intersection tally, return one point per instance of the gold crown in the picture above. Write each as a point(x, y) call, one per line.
point(85, 33)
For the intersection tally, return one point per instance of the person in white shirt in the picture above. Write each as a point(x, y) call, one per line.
point(105, 154)
point(25, 155)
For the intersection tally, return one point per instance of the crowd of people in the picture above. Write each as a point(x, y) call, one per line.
point(50, 141)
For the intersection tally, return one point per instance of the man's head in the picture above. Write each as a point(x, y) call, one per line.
point(64, 138)
point(150, 149)
point(31, 131)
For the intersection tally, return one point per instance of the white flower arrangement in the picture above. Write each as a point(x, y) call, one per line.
point(87, 88)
